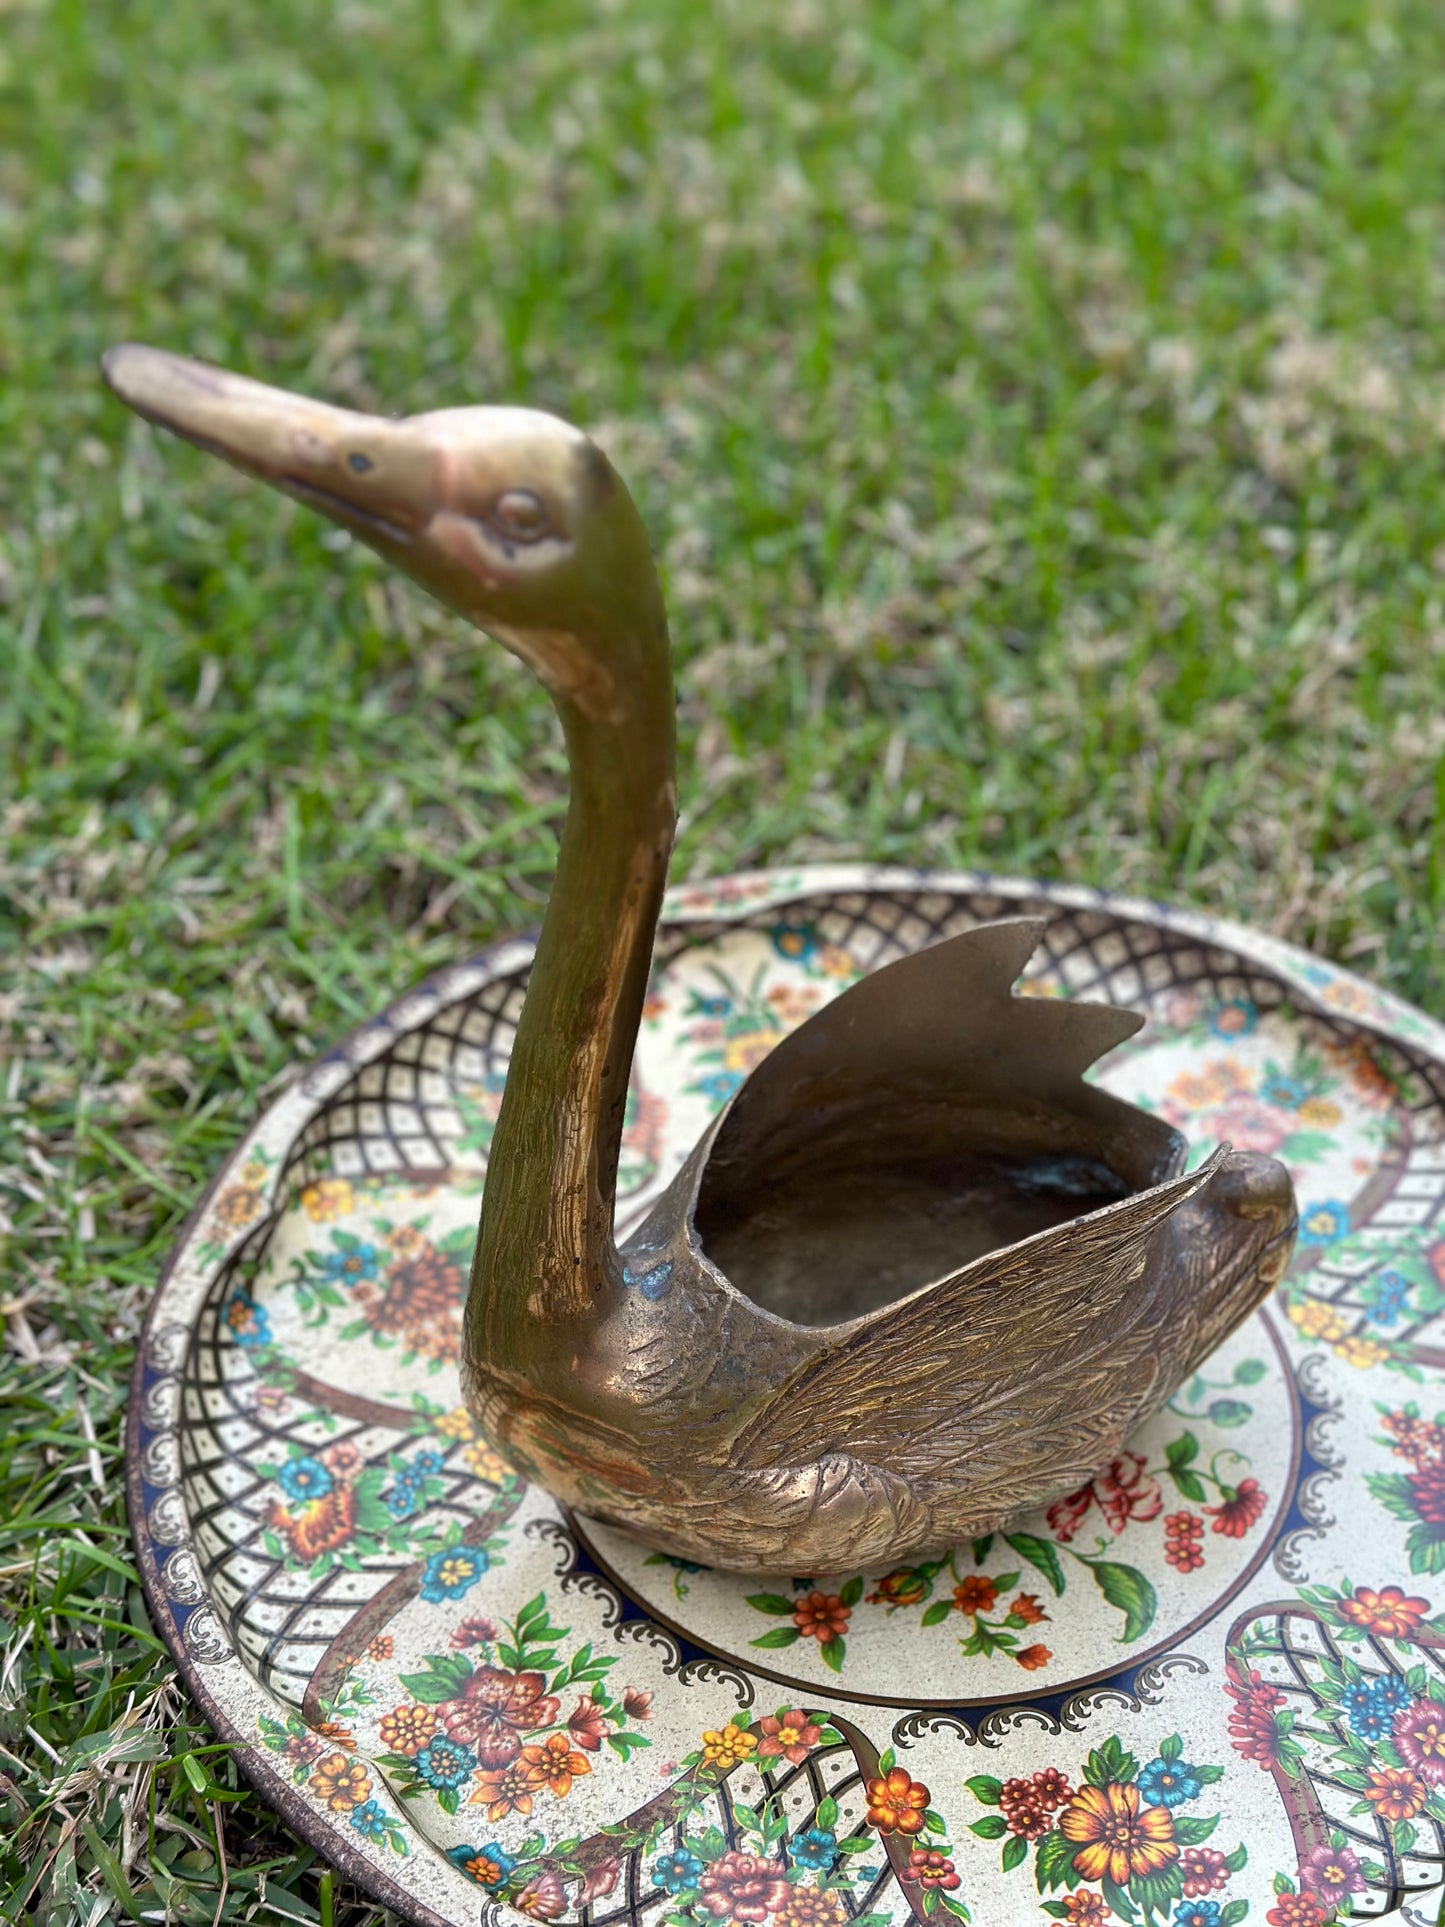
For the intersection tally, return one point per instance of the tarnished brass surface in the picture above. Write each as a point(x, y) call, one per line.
point(919, 1276)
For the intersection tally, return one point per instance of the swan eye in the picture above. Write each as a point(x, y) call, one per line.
point(520, 515)
point(358, 464)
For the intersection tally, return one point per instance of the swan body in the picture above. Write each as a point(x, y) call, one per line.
point(919, 1276)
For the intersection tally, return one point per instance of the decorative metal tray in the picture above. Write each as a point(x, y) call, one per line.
point(1208, 1687)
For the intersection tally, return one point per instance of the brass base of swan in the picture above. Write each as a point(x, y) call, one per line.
point(920, 1276)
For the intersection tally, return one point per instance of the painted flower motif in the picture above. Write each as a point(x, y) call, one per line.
point(1419, 1733)
point(1298, 1910)
point(1361, 1352)
point(1249, 1125)
point(1052, 1788)
point(456, 1424)
point(1396, 1792)
point(1427, 1492)
point(327, 1200)
point(1213, 1084)
point(676, 1872)
point(1324, 1223)
point(927, 1868)
point(543, 1897)
point(1027, 1608)
point(247, 1320)
point(407, 1729)
point(1367, 1717)
point(1391, 1613)
point(1333, 1872)
point(816, 1849)
point(504, 1790)
point(821, 1616)
point(342, 1459)
point(1205, 1871)
point(449, 1574)
point(304, 1478)
point(370, 1819)
point(1125, 1492)
point(1235, 1017)
point(729, 1748)
point(1320, 1113)
point(1387, 1297)
point(636, 1704)
point(472, 1632)
point(351, 1266)
point(554, 1763)
point(1169, 1783)
point(975, 1595)
point(795, 941)
point(1033, 1658)
point(1236, 1515)
point(488, 1866)
point(740, 1886)
point(484, 1463)
point(1314, 1318)
point(238, 1205)
point(1023, 1809)
point(341, 1782)
point(719, 1086)
point(1197, 1913)
point(1182, 1534)
point(1117, 1835)
point(442, 1763)
point(1085, 1909)
point(1252, 1728)
point(320, 1525)
point(587, 1725)
point(302, 1748)
point(905, 1587)
point(897, 1803)
point(494, 1710)
point(810, 1907)
point(600, 1880)
point(789, 1735)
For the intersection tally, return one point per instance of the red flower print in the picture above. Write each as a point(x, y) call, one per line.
point(975, 1595)
point(1032, 1658)
point(1427, 1489)
point(494, 1710)
point(587, 1725)
point(1419, 1732)
point(1066, 1515)
point(1235, 1516)
point(821, 1616)
point(1027, 1608)
point(897, 1803)
point(1396, 1793)
point(600, 1880)
point(905, 1587)
point(1391, 1613)
point(636, 1704)
point(1127, 1492)
point(1023, 1809)
point(1252, 1729)
point(739, 1886)
point(543, 1897)
point(473, 1632)
point(788, 1735)
point(1298, 1910)
point(1085, 1909)
point(1052, 1787)
point(1205, 1871)
point(1182, 1533)
point(928, 1869)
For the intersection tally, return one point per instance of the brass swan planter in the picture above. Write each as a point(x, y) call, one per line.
point(919, 1276)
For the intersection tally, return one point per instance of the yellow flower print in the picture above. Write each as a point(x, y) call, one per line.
point(1361, 1352)
point(729, 1748)
point(1319, 1113)
point(482, 1460)
point(1315, 1319)
point(327, 1200)
point(253, 1172)
point(457, 1424)
point(834, 962)
point(746, 1051)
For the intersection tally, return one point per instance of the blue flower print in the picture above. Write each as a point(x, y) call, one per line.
point(449, 1574)
point(352, 1265)
point(425, 1465)
point(1367, 1717)
point(489, 1866)
point(1287, 1092)
point(711, 1006)
point(1387, 1295)
point(401, 1501)
point(1324, 1224)
point(370, 1819)
point(442, 1763)
point(1391, 1695)
point(1197, 1913)
point(248, 1322)
point(676, 1872)
point(795, 941)
point(304, 1479)
point(719, 1086)
point(1169, 1783)
point(1236, 1017)
point(816, 1849)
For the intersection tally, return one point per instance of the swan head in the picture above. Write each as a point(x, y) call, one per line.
point(509, 516)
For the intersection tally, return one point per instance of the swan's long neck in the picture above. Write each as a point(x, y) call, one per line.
point(545, 1253)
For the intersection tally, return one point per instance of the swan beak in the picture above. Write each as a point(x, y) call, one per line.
point(320, 454)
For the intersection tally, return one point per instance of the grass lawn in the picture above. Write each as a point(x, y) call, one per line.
point(1038, 407)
